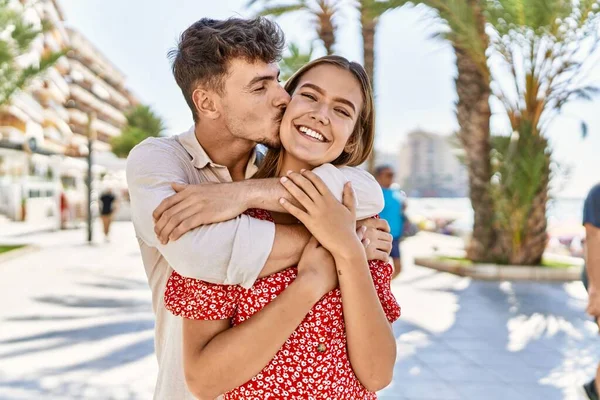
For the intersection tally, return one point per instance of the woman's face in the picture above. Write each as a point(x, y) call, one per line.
point(321, 115)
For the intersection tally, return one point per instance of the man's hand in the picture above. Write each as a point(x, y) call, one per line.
point(195, 205)
point(379, 244)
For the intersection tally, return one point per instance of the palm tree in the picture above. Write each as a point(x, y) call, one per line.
point(322, 13)
point(546, 47)
point(293, 61)
point(142, 123)
point(539, 43)
point(370, 12)
point(16, 37)
point(464, 23)
point(144, 118)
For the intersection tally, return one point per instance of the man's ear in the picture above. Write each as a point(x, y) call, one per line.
point(206, 103)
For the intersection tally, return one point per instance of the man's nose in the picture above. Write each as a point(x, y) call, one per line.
point(282, 99)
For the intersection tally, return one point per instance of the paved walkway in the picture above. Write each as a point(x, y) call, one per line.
point(76, 323)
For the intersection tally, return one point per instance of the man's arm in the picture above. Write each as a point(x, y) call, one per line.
point(224, 253)
point(266, 193)
point(196, 205)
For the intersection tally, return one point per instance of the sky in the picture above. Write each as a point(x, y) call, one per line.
point(414, 80)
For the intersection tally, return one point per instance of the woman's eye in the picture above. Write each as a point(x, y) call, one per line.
point(309, 96)
point(343, 112)
point(260, 89)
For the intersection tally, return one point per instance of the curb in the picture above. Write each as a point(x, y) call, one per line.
point(494, 272)
point(12, 254)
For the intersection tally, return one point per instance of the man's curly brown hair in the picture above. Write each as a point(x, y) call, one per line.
point(206, 48)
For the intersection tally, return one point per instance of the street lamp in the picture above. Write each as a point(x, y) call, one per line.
point(91, 134)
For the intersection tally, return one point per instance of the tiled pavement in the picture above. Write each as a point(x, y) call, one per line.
point(76, 323)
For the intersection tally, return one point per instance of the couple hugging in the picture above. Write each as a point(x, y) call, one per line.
point(264, 285)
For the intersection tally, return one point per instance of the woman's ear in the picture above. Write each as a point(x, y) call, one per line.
point(206, 103)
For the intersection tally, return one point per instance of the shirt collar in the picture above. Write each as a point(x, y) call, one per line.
point(200, 159)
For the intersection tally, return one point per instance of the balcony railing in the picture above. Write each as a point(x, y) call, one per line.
point(116, 99)
point(82, 95)
point(29, 106)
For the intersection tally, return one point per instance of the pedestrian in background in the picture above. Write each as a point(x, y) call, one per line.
point(392, 212)
point(591, 272)
point(108, 206)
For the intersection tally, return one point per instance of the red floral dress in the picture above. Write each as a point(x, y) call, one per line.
point(313, 363)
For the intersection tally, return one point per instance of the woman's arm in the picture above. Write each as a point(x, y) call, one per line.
point(371, 343)
point(218, 358)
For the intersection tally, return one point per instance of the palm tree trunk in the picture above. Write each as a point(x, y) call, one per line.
point(326, 33)
point(534, 236)
point(473, 114)
point(368, 35)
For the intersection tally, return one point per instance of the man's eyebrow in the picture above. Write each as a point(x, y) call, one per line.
point(322, 92)
point(269, 77)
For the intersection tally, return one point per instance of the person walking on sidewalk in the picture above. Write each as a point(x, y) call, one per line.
point(591, 272)
point(392, 212)
point(108, 206)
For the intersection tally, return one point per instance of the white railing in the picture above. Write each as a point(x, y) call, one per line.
point(92, 78)
point(91, 100)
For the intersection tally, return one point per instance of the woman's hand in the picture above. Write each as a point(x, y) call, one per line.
point(332, 223)
point(317, 267)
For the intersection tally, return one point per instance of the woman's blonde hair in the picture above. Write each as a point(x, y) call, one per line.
point(360, 143)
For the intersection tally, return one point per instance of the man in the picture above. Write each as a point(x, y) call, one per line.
point(591, 277)
point(228, 76)
point(392, 212)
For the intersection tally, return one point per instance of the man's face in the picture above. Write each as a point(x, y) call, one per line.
point(254, 101)
point(385, 177)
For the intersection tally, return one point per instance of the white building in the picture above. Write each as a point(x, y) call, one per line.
point(429, 166)
point(43, 136)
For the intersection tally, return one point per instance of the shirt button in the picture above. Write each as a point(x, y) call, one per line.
point(321, 347)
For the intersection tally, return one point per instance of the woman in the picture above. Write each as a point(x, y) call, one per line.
point(313, 350)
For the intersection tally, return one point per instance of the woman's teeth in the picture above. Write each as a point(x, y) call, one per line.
point(311, 133)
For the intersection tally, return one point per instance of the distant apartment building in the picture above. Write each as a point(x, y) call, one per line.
point(429, 166)
point(43, 131)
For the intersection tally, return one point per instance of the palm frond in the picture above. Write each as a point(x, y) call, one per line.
point(277, 11)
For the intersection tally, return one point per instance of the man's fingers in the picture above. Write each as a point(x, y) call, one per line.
point(171, 218)
point(360, 232)
point(375, 223)
point(178, 187)
point(384, 236)
point(307, 186)
point(297, 193)
point(181, 223)
point(188, 222)
point(382, 225)
point(383, 245)
point(166, 204)
point(348, 198)
point(380, 255)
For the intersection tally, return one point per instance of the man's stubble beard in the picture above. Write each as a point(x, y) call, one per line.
point(274, 143)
